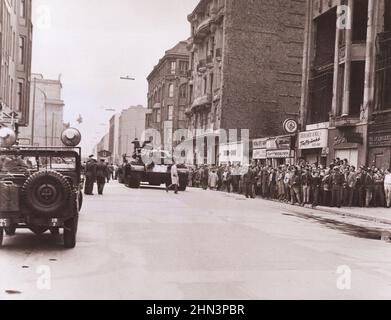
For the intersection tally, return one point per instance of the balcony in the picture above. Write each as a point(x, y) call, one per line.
point(202, 30)
point(157, 105)
point(201, 67)
point(202, 101)
point(149, 111)
point(346, 121)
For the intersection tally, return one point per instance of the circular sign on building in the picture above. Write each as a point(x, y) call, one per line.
point(291, 126)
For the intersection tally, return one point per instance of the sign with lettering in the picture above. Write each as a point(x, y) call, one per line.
point(280, 154)
point(380, 140)
point(313, 139)
point(291, 126)
point(259, 143)
point(283, 142)
point(259, 154)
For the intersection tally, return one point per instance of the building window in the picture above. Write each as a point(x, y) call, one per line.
point(19, 96)
point(181, 114)
point(183, 91)
point(23, 8)
point(171, 91)
point(205, 84)
point(158, 116)
point(22, 43)
point(183, 67)
point(173, 67)
point(170, 113)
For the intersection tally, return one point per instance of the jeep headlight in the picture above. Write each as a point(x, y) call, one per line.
point(71, 137)
point(7, 137)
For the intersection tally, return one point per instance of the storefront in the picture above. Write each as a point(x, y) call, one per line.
point(313, 146)
point(259, 150)
point(348, 144)
point(280, 150)
point(380, 149)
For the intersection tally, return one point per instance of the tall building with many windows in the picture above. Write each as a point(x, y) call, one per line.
point(246, 59)
point(346, 96)
point(168, 94)
point(15, 60)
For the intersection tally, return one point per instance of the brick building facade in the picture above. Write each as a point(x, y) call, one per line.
point(246, 59)
point(168, 94)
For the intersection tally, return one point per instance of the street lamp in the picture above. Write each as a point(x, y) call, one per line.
point(127, 78)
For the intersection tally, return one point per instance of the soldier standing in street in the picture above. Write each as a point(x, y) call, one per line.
point(90, 173)
point(102, 172)
point(174, 179)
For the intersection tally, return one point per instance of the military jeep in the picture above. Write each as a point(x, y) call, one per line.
point(41, 188)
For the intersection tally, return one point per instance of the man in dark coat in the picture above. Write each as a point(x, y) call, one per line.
point(102, 172)
point(90, 174)
point(337, 181)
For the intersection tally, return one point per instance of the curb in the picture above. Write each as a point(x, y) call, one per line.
point(355, 215)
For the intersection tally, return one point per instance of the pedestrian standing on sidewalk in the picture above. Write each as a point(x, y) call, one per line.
point(295, 186)
point(337, 181)
point(316, 183)
point(102, 172)
point(387, 187)
point(174, 179)
point(351, 185)
point(378, 191)
point(306, 185)
point(369, 184)
point(90, 174)
point(326, 188)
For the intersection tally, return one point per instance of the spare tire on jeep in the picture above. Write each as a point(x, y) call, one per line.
point(47, 192)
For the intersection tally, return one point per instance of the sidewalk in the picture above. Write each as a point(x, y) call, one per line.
point(378, 215)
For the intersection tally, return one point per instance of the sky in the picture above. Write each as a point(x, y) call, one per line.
point(92, 43)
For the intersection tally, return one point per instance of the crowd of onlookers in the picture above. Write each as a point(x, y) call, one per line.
point(336, 185)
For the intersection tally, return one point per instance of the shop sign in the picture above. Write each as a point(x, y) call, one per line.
point(290, 126)
point(259, 143)
point(348, 138)
point(283, 143)
point(380, 140)
point(313, 139)
point(280, 154)
point(259, 154)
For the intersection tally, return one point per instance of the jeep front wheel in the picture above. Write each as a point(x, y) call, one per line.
point(70, 231)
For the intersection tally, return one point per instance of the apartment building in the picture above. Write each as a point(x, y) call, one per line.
point(168, 94)
point(346, 96)
point(15, 61)
point(246, 62)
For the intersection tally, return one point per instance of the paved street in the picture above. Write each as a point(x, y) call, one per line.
point(146, 244)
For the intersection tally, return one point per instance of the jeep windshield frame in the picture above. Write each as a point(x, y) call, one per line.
point(50, 152)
